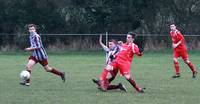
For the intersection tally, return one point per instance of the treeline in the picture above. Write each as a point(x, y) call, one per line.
point(97, 16)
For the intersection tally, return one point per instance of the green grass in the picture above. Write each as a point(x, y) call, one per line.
point(153, 71)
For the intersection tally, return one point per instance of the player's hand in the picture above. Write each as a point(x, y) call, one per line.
point(141, 50)
point(28, 49)
point(120, 43)
point(174, 45)
point(140, 54)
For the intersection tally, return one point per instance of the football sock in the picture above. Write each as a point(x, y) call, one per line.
point(55, 71)
point(113, 75)
point(176, 66)
point(104, 74)
point(103, 79)
point(112, 87)
point(191, 67)
point(111, 79)
point(104, 84)
point(133, 83)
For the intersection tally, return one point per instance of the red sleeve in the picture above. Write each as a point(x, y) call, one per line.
point(136, 49)
point(180, 37)
point(170, 33)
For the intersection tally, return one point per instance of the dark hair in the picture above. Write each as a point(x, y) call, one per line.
point(113, 40)
point(32, 25)
point(132, 34)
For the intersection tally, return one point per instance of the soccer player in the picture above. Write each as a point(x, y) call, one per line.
point(38, 55)
point(109, 76)
point(123, 63)
point(180, 50)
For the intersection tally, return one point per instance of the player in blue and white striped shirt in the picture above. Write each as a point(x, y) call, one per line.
point(38, 55)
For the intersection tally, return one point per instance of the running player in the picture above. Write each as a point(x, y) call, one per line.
point(38, 55)
point(180, 50)
point(123, 63)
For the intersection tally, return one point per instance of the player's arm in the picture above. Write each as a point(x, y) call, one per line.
point(30, 49)
point(140, 42)
point(177, 44)
point(35, 45)
point(136, 50)
point(101, 43)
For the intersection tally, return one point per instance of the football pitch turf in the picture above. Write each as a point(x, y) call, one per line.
point(152, 70)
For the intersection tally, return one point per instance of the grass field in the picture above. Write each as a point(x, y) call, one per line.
point(153, 71)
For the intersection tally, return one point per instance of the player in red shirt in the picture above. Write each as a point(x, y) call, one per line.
point(123, 63)
point(180, 50)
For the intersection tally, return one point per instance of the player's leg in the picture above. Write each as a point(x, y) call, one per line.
point(104, 74)
point(109, 75)
point(29, 65)
point(133, 83)
point(29, 68)
point(190, 64)
point(176, 66)
point(103, 78)
point(125, 71)
point(113, 75)
point(176, 55)
point(55, 71)
point(104, 83)
point(119, 86)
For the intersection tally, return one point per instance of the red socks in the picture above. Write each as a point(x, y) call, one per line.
point(191, 67)
point(176, 66)
point(133, 83)
point(103, 80)
point(104, 74)
point(55, 71)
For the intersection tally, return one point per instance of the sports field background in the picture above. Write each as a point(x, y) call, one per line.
point(153, 71)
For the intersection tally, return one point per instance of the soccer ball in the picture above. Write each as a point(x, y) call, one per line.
point(24, 75)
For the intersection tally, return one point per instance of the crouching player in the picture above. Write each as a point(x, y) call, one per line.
point(38, 55)
point(123, 63)
point(106, 75)
point(180, 50)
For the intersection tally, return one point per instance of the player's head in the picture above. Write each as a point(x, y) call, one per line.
point(130, 37)
point(32, 28)
point(112, 43)
point(173, 27)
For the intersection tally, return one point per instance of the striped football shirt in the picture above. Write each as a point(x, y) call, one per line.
point(36, 42)
point(110, 52)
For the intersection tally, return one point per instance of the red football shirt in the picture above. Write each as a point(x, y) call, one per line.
point(127, 52)
point(176, 37)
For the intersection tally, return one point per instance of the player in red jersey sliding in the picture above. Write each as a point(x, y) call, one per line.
point(123, 63)
point(109, 76)
point(38, 55)
point(180, 50)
